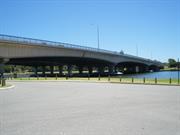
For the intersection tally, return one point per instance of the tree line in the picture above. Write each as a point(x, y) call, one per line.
point(172, 63)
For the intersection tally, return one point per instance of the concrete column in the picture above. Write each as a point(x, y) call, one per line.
point(111, 69)
point(129, 70)
point(116, 69)
point(43, 70)
point(80, 69)
point(69, 70)
point(36, 70)
point(137, 69)
point(146, 69)
point(60, 70)
point(52, 70)
point(2, 62)
point(100, 70)
point(90, 69)
point(1, 69)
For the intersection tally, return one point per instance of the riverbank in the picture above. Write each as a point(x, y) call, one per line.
point(169, 69)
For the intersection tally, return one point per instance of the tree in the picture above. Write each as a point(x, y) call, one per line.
point(172, 62)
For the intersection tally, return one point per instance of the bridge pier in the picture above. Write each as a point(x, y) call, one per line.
point(44, 70)
point(80, 69)
point(2, 64)
point(90, 70)
point(111, 69)
point(1, 69)
point(69, 69)
point(137, 69)
point(60, 70)
point(36, 71)
point(52, 70)
point(100, 70)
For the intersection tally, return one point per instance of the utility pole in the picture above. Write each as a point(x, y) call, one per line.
point(151, 55)
point(136, 50)
point(98, 36)
point(178, 70)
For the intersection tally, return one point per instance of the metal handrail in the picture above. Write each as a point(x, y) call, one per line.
point(64, 45)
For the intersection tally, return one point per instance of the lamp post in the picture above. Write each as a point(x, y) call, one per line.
point(178, 70)
point(97, 29)
point(137, 50)
point(98, 36)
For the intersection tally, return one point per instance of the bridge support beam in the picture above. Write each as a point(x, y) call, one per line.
point(60, 70)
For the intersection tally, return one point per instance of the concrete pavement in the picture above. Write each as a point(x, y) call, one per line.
point(74, 108)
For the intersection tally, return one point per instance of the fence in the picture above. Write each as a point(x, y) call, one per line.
point(109, 78)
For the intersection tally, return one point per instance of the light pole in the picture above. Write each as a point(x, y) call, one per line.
point(178, 70)
point(136, 49)
point(98, 36)
point(97, 29)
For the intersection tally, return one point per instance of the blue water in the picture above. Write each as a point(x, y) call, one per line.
point(160, 75)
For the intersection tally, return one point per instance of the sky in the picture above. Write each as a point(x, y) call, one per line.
point(146, 28)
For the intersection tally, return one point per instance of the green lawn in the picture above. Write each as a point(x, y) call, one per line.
point(107, 79)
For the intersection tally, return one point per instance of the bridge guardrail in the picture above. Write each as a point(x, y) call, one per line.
point(67, 45)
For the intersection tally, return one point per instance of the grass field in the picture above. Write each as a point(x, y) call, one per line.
point(106, 79)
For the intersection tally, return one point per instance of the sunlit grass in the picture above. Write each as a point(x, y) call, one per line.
point(104, 79)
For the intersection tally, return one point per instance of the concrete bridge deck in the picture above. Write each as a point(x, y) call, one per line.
point(34, 52)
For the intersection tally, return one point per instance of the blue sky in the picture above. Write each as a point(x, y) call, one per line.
point(151, 25)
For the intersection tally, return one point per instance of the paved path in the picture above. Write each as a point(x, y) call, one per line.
point(73, 108)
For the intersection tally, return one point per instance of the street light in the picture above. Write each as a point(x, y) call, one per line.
point(137, 50)
point(97, 27)
point(178, 70)
point(98, 36)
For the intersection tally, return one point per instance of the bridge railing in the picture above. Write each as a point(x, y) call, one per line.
point(63, 45)
point(48, 43)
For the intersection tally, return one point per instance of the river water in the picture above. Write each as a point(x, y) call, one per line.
point(160, 75)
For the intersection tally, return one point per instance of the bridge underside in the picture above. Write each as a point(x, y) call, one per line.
point(56, 61)
point(89, 63)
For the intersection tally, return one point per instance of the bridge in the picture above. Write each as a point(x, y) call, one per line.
point(41, 53)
